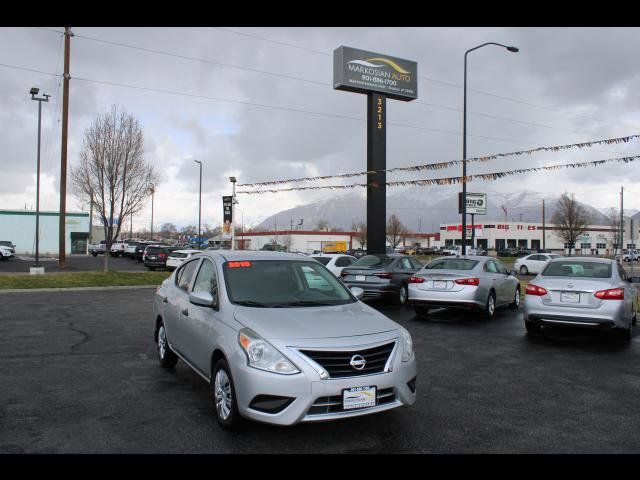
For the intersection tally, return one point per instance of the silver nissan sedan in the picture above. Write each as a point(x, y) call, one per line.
point(581, 292)
point(469, 282)
point(281, 340)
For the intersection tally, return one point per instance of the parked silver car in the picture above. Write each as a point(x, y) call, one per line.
point(469, 282)
point(581, 292)
point(281, 340)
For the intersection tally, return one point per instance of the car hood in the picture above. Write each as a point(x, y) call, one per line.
point(314, 322)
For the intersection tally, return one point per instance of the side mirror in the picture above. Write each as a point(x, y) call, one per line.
point(203, 298)
point(357, 292)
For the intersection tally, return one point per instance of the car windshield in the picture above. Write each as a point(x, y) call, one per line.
point(452, 264)
point(155, 250)
point(178, 255)
point(322, 260)
point(283, 283)
point(373, 261)
point(578, 269)
point(6, 244)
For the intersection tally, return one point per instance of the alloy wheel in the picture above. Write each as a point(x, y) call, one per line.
point(222, 394)
point(162, 342)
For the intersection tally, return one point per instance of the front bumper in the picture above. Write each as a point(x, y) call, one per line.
point(310, 394)
point(154, 263)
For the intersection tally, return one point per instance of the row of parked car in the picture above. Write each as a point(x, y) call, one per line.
point(154, 255)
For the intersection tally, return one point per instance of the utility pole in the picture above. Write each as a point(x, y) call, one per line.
point(90, 216)
point(63, 157)
point(473, 230)
point(153, 191)
point(544, 236)
point(621, 220)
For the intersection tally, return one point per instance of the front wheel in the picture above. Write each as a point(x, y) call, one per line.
point(223, 394)
point(166, 356)
point(403, 295)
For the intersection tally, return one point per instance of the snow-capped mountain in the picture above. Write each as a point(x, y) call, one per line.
point(421, 209)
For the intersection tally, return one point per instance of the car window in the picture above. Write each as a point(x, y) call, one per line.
point(405, 264)
point(206, 280)
point(283, 283)
point(373, 261)
point(499, 266)
point(416, 263)
point(344, 261)
point(322, 260)
point(184, 275)
point(572, 268)
point(490, 267)
point(452, 264)
point(534, 257)
point(621, 272)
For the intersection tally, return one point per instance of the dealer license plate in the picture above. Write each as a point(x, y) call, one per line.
point(361, 278)
point(358, 397)
point(439, 284)
point(570, 297)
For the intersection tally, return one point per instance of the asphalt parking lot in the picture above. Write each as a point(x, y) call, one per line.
point(74, 263)
point(79, 375)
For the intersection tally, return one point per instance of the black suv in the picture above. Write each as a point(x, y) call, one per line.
point(155, 256)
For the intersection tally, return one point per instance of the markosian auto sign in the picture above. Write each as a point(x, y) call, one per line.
point(362, 71)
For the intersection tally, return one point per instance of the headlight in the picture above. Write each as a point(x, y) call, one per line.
point(407, 345)
point(262, 355)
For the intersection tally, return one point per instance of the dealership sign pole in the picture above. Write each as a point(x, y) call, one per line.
point(379, 77)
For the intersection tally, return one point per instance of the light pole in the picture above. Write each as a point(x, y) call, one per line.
point(233, 217)
point(464, 142)
point(45, 98)
point(152, 189)
point(199, 205)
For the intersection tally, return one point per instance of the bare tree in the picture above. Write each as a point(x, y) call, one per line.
point(113, 171)
point(361, 229)
point(613, 221)
point(395, 230)
point(571, 219)
point(323, 225)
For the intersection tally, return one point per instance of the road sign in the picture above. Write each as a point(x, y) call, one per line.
point(476, 203)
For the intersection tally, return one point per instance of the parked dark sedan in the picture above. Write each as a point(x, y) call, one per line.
point(139, 254)
point(382, 275)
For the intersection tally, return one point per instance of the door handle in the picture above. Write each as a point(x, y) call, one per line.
point(185, 312)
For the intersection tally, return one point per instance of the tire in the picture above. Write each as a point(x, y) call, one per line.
point(94, 254)
point(524, 270)
point(516, 300)
point(421, 311)
point(532, 327)
point(403, 295)
point(490, 307)
point(166, 356)
point(626, 334)
point(223, 396)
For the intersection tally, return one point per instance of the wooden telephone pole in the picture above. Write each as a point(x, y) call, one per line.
point(63, 157)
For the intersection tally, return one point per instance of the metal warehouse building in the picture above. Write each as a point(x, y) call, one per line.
point(19, 227)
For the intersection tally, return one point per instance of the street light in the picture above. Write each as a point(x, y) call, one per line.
point(233, 203)
point(199, 205)
point(45, 98)
point(464, 142)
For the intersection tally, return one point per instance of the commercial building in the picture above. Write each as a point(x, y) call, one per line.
point(596, 240)
point(19, 227)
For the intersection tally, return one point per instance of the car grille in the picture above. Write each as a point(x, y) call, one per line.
point(324, 405)
point(337, 363)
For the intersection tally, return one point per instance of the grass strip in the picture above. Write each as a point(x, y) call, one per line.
point(82, 279)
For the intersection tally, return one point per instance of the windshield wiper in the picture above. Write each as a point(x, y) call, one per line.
point(251, 303)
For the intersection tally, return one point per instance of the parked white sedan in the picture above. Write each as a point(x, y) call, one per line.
point(178, 257)
point(533, 263)
point(334, 262)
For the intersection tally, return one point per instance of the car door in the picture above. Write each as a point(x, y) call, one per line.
point(177, 301)
point(404, 270)
point(539, 262)
point(505, 287)
point(202, 324)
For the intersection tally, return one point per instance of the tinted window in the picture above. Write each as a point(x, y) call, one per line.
point(184, 275)
point(373, 261)
point(405, 264)
point(155, 250)
point(452, 264)
point(178, 255)
point(344, 262)
point(322, 260)
point(283, 283)
point(206, 280)
point(6, 244)
point(499, 267)
point(569, 268)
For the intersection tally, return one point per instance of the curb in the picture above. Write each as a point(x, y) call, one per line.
point(77, 289)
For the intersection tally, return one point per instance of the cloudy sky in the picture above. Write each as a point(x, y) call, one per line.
point(258, 103)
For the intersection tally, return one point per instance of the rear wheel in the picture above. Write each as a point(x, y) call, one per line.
point(490, 306)
point(403, 295)
point(516, 300)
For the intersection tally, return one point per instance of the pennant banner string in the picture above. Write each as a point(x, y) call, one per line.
point(442, 165)
point(453, 180)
